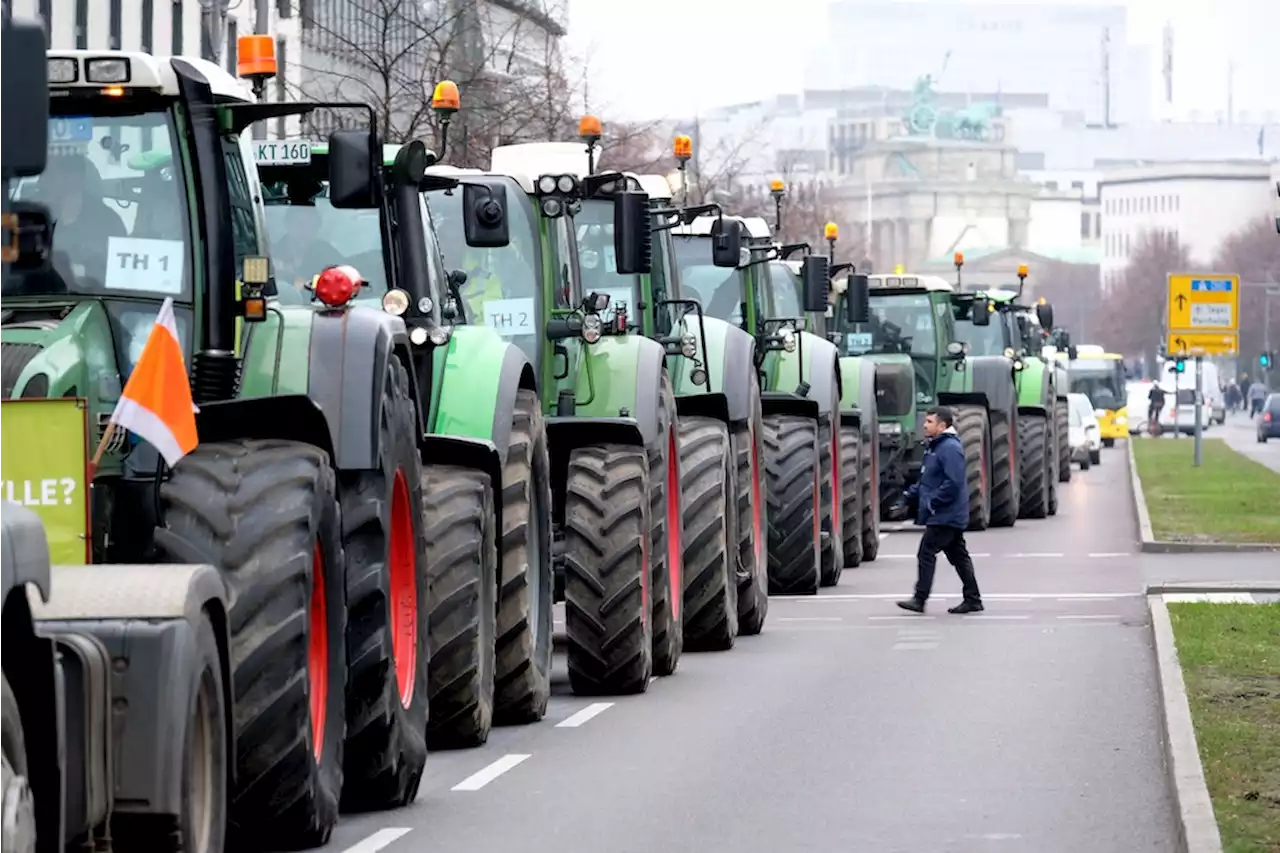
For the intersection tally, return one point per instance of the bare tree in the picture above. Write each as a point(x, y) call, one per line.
point(392, 53)
point(1253, 253)
point(1133, 314)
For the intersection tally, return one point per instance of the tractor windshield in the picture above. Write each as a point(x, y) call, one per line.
point(900, 323)
point(991, 339)
point(593, 227)
point(719, 289)
point(307, 234)
point(501, 290)
point(118, 205)
point(783, 296)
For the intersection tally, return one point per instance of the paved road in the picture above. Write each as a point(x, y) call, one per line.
point(1241, 434)
point(850, 725)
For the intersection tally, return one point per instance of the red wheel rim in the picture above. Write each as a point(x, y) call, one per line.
point(817, 511)
point(404, 590)
point(757, 510)
point(318, 653)
point(675, 525)
point(836, 473)
point(644, 575)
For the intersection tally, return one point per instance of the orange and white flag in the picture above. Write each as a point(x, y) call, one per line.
point(156, 402)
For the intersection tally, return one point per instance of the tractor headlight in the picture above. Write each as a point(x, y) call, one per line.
point(592, 326)
point(425, 305)
point(106, 70)
point(788, 340)
point(439, 335)
point(395, 302)
point(688, 346)
point(418, 336)
point(698, 376)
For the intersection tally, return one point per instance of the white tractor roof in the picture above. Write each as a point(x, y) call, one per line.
point(529, 161)
point(154, 72)
point(450, 171)
point(889, 281)
point(754, 226)
point(655, 186)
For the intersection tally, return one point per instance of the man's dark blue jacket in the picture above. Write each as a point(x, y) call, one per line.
point(941, 495)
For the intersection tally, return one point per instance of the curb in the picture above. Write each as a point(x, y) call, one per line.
point(1149, 544)
point(1197, 827)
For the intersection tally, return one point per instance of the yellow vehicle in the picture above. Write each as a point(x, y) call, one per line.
point(1101, 376)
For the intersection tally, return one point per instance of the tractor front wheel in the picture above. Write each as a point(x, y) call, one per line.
point(265, 512)
point(793, 470)
point(1033, 445)
point(973, 426)
point(830, 480)
point(851, 494)
point(666, 549)
point(750, 522)
point(1006, 463)
point(711, 584)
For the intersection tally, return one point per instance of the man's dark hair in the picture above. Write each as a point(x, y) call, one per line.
point(944, 414)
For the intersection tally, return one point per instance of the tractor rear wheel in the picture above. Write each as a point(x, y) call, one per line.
point(1063, 425)
point(795, 527)
point(666, 549)
point(830, 476)
point(1033, 446)
point(385, 557)
point(1005, 464)
point(971, 424)
point(462, 572)
point(522, 679)
point(711, 584)
point(265, 512)
point(750, 522)
point(869, 477)
point(851, 494)
point(608, 611)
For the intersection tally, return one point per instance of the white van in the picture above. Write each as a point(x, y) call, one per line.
point(1215, 402)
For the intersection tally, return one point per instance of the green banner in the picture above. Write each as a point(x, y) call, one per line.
point(42, 463)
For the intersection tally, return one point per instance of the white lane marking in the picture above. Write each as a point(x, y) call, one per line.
point(810, 618)
point(592, 711)
point(897, 556)
point(483, 777)
point(910, 645)
point(378, 840)
point(1091, 616)
point(1086, 598)
point(1037, 555)
point(992, 616)
point(1111, 554)
point(886, 618)
point(998, 596)
point(884, 535)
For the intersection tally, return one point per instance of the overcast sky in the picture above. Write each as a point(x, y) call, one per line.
point(681, 56)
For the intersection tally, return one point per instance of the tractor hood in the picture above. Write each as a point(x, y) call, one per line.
point(59, 350)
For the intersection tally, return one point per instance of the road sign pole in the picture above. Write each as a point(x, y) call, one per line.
point(1199, 405)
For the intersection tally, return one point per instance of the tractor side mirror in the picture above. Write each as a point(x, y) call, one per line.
point(352, 170)
point(981, 312)
point(25, 140)
point(632, 239)
point(484, 220)
point(410, 164)
point(857, 300)
point(1044, 313)
point(29, 247)
point(726, 243)
point(815, 282)
point(1072, 352)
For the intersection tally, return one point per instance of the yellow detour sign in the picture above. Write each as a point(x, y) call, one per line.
point(1203, 315)
point(1189, 345)
point(43, 460)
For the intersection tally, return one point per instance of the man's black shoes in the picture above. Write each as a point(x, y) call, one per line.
point(915, 605)
point(967, 607)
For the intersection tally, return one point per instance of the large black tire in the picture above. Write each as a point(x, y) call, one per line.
point(1062, 425)
point(792, 469)
point(1005, 464)
point(14, 772)
point(870, 478)
point(710, 576)
point(971, 423)
point(830, 504)
point(751, 521)
point(851, 495)
point(666, 548)
point(462, 572)
point(265, 512)
point(1036, 465)
point(608, 613)
point(385, 557)
point(522, 679)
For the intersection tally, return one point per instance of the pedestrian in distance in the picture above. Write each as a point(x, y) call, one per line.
point(1257, 396)
point(1155, 402)
point(940, 499)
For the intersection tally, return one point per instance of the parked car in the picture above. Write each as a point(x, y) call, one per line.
point(1269, 420)
point(1083, 433)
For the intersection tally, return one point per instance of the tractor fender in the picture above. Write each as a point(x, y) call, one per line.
point(1033, 410)
point(619, 379)
point(786, 403)
point(477, 390)
point(1034, 384)
point(816, 362)
point(566, 434)
point(992, 376)
point(26, 550)
point(150, 623)
point(476, 454)
point(730, 361)
point(858, 384)
point(292, 417)
point(350, 353)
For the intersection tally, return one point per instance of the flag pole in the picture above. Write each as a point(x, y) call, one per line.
point(107, 435)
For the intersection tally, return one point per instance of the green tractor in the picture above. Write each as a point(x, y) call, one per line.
point(607, 398)
point(799, 373)
point(993, 322)
point(487, 520)
point(305, 491)
point(919, 361)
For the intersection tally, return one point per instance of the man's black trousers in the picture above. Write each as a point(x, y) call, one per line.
point(950, 541)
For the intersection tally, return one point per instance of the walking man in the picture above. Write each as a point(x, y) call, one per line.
point(941, 500)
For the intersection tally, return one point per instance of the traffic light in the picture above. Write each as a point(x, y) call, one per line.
point(1180, 365)
point(1265, 359)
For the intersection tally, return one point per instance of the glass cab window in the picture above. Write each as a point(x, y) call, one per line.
point(782, 298)
point(990, 339)
point(593, 230)
point(719, 289)
point(118, 205)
